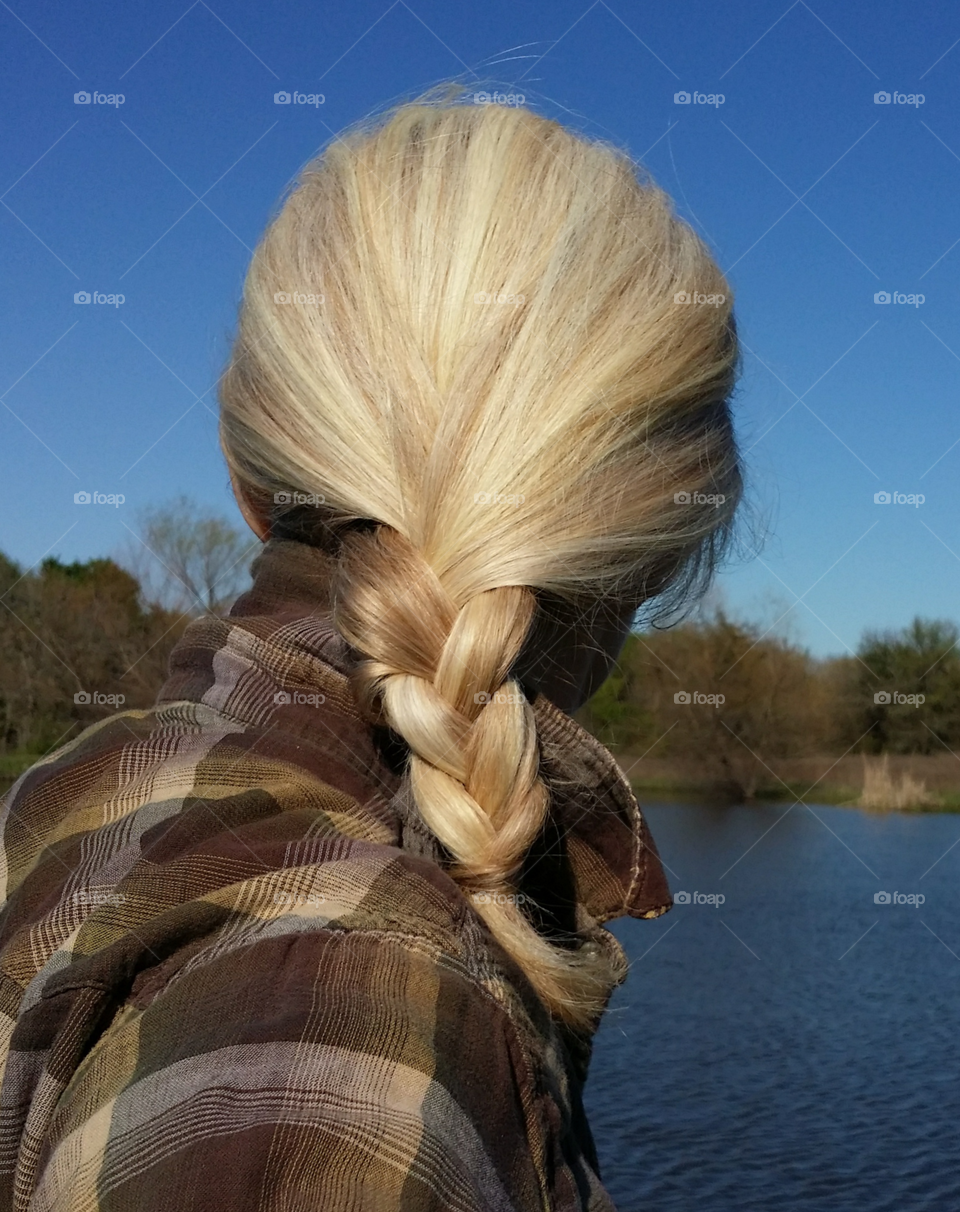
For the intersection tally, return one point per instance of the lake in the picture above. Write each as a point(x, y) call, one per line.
point(796, 1046)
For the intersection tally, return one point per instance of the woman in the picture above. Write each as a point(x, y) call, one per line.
point(323, 928)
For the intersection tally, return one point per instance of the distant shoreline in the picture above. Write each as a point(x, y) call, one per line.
point(825, 780)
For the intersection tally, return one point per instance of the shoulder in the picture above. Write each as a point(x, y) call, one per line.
point(232, 966)
point(337, 1068)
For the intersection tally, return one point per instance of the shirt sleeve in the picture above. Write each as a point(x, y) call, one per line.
point(317, 1069)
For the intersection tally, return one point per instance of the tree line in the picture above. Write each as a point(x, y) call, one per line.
point(727, 701)
point(76, 642)
point(81, 640)
point(722, 698)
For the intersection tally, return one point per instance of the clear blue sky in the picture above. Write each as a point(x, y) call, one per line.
point(812, 196)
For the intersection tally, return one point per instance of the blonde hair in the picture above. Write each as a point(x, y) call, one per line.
point(520, 371)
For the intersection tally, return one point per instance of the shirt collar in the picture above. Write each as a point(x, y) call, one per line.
point(598, 839)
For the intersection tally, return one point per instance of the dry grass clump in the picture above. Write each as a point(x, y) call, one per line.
point(882, 792)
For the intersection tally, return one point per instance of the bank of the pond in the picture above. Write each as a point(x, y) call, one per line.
point(895, 782)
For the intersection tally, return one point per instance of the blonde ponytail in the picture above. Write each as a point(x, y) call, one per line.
point(439, 673)
point(513, 373)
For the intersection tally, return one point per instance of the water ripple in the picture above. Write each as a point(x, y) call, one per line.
point(817, 1074)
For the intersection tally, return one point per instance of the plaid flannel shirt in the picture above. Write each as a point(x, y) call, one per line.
point(235, 975)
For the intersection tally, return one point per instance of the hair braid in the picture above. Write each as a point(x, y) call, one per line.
point(439, 675)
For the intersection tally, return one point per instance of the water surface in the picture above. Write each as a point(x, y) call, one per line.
point(795, 1047)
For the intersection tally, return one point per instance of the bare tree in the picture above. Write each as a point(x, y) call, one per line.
point(190, 560)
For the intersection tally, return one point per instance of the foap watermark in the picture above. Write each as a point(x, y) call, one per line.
point(499, 898)
point(716, 899)
point(883, 698)
point(916, 499)
point(299, 498)
point(511, 99)
point(485, 297)
point(98, 296)
point(898, 296)
point(688, 697)
point(895, 98)
point(916, 899)
point(498, 696)
point(115, 499)
point(298, 298)
point(93, 698)
point(95, 98)
point(498, 498)
point(87, 897)
point(695, 98)
point(285, 98)
point(297, 898)
point(696, 296)
point(299, 698)
point(716, 499)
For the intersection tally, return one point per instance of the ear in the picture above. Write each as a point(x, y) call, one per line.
point(256, 518)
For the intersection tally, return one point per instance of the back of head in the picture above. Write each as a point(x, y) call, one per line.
point(520, 368)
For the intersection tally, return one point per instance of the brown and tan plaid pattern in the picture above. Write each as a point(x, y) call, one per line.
point(235, 975)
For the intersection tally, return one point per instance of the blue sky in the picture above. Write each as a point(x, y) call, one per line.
point(813, 197)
